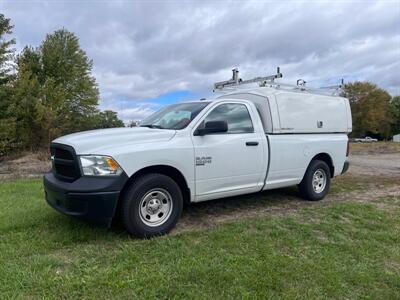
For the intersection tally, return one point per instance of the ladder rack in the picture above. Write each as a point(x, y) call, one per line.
point(235, 80)
point(269, 81)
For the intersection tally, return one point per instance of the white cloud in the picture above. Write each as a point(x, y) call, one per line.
point(134, 114)
point(128, 113)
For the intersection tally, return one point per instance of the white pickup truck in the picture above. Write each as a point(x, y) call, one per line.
point(244, 141)
point(367, 139)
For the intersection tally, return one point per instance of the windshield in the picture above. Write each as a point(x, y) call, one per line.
point(176, 116)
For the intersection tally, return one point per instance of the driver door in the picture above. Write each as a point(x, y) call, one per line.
point(228, 163)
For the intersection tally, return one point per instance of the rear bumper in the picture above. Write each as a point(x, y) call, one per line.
point(89, 198)
point(345, 167)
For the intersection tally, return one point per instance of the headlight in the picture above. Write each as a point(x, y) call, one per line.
point(95, 165)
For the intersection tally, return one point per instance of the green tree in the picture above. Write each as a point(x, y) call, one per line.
point(370, 108)
point(52, 93)
point(6, 53)
point(109, 119)
point(395, 109)
point(27, 99)
point(7, 121)
point(70, 90)
point(55, 93)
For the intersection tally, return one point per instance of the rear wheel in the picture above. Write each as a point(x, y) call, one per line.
point(316, 181)
point(151, 206)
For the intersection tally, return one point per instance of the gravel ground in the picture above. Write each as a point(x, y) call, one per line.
point(375, 164)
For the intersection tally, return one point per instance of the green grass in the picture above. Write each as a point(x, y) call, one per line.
point(344, 251)
point(353, 182)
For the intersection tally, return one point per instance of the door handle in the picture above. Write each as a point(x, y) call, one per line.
point(251, 143)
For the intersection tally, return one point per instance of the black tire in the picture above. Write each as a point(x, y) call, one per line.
point(141, 193)
point(306, 186)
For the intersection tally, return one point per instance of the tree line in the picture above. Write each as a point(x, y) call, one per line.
point(46, 92)
point(375, 112)
point(49, 91)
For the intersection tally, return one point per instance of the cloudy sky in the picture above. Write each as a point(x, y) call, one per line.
point(150, 53)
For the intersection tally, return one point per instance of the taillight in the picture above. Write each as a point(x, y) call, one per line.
point(348, 148)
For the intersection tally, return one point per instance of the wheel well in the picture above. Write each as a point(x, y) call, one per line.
point(327, 159)
point(169, 171)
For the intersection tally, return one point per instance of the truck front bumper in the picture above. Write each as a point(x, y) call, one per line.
point(90, 198)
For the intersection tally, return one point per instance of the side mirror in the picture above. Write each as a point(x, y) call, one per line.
point(212, 127)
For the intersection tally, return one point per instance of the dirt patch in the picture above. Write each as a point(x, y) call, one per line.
point(24, 165)
point(375, 164)
point(375, 148)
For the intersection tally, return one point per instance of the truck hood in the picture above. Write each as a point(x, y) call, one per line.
point(100, 141)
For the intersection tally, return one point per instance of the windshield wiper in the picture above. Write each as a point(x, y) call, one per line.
point(152, 126)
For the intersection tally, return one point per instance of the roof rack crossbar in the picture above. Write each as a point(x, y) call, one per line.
point(337, 86)
point(321, 91)
point(235, 80)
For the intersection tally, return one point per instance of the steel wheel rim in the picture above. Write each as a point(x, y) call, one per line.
point(155, 207)
point(319, 181)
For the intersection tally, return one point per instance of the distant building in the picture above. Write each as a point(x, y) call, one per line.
point(396, 138)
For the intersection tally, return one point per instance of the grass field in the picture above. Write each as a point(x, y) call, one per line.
point(343, 250)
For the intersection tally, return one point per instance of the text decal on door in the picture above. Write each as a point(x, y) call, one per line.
point(201, 161)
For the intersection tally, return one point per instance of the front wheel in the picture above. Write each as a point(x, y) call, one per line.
point(316, 182)
point(151, 206)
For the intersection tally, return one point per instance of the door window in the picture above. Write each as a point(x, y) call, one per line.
point(236, 115)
